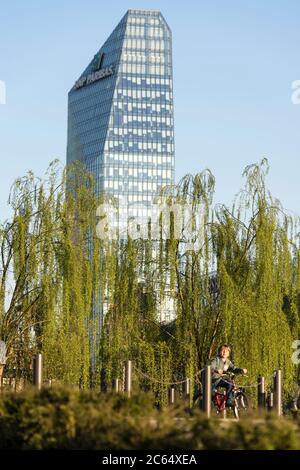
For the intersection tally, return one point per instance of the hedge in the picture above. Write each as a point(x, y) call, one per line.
point(60, 418)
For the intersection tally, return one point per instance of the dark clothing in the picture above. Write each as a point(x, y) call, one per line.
point(228, 385)
point(224, 383)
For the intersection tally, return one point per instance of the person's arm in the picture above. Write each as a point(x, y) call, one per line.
point(235, 370)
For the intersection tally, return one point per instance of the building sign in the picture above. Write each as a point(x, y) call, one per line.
point(97, 74)
point(97, 62)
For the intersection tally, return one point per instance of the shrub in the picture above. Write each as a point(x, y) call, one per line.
point(60, 418)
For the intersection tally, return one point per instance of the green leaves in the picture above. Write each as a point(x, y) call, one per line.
point(240, 283)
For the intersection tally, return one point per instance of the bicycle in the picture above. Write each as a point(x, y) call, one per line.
point(237, 399)
point(293, 402)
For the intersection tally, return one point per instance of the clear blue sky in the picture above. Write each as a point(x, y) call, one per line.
point(234, 62)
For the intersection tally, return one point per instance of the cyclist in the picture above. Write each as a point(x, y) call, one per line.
point(219, 366)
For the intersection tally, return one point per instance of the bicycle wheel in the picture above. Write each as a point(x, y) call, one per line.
point(198, 404)
point(241, 405)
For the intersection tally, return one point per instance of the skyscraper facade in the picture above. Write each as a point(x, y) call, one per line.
point(120, 112)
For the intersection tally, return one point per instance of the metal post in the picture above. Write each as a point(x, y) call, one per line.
point(278, 393)
point(270, 401)
point(261, 394)
point(2, 360)
point(1, 374)
point(186, 389)
point(122, 382)
point(116, 385)
point(224, 407)
point(128, 378)
point(38, 371)
point(207, 391)
point(171, 396)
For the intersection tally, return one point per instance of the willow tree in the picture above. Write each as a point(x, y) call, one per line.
point(154, 268)
point(235, 279)
point(188, 266)
point(130, 329)
point(256, 268)
point(48, 273)
point(230, 274)
point(250, 251)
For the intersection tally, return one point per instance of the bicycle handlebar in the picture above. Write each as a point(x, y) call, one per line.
point(232, 374)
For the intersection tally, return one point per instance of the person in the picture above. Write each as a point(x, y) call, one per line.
point(219, 366)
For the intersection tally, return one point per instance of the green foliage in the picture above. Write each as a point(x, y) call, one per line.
point(59, 418)
point(62, 275)
point(46, 274)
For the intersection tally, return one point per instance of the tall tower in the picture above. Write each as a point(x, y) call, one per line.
point(120, 111)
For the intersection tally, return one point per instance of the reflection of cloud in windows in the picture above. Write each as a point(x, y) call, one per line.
point(2, 92)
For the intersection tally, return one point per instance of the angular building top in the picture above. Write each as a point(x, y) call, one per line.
point(120, 110)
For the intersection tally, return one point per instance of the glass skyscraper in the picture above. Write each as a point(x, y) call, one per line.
point(120, 111)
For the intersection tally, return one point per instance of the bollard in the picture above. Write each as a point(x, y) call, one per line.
point(116, 385)
point(128, 378)
point(261, 394)
point(278, 393)
point(186, 389)
point(171, 395)
point(122, 382)
point(38, 371)
point(2, 360)
point(207, 391)
point(1, 374)
point(224, 407)
point(270, 401)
